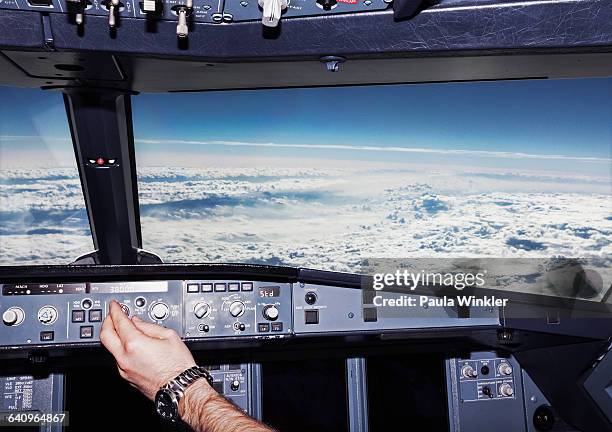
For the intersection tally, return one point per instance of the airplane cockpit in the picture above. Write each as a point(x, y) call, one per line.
point(358, 215)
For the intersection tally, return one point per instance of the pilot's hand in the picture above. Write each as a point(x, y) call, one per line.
point(147, 355)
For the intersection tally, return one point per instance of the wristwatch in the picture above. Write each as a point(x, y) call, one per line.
point(167, 398)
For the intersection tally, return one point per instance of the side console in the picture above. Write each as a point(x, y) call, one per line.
point(489, 392)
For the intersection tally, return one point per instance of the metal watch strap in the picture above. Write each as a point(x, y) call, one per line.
point(180, 383)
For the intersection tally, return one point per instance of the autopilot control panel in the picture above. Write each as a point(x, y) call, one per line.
point(71, 314)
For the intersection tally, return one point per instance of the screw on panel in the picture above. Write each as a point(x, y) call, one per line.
point(332, 63)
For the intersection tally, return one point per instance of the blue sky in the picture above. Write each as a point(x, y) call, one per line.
point(567, 117)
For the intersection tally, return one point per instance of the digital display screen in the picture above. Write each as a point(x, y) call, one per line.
point(128, 287)
point(269, 291)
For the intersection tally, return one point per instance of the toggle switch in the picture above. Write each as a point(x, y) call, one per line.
point(272, 11)
point(112, 22)
point(183, 11)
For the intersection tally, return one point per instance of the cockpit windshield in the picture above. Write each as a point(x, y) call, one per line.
point(328, 177)
point(42, 212)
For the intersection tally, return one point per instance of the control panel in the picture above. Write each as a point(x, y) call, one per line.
point(185, 12)
point(58, 313)
point(237, 308)
point(484, 382)
point(40, 314)
point(28, 395)
point(236, 382)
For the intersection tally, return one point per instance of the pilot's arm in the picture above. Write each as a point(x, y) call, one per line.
point(149, 356)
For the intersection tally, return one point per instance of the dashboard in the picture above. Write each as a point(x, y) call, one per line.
point(36, 314)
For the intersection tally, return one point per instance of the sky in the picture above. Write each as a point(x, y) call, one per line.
point(394, 123)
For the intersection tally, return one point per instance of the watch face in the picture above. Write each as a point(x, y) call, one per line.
point(166, 404)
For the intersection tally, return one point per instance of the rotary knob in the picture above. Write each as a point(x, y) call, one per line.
point(270, 313)
point(506, 390)
point(504, 369)
point(236, 309)
point(47, 315)
point(201, 310)
point(13, 316)
point(160, 311)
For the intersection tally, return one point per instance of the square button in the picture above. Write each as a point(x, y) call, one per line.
point(95, 315)
point(370, 314)
point(207, 287)
point(219, 287)
point(247, 286)
point(86, 332)
point(193, 287)
point(78, 316)
point(263, 327)
point(233, 286)
point(218, 386)
point(277, 327)
point(311, 316)
point(46, 336)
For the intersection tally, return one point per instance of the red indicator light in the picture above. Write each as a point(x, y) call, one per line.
point(100, 161)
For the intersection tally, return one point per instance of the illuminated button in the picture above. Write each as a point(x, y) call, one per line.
point(233, 286)
point(201, 310)
point(219, 287)
point(13, 316)
point(311, 316)
point(263, 327)
point(95, 315)
point(236, 309)
point(247, 286)
point(46, 336)
point(78, 316)
point(86, 332)
point(277, 327)
point(160, 311)
point(47, 315)
point(207, 287)
point(270, 313)
point(193, 288)
point(86, 303)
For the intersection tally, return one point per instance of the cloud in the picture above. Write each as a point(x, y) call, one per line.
point(386, 149)
point(315, 217)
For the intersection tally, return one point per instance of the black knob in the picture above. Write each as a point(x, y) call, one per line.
point(327, 4)
point(310, 298)
point(543, 418)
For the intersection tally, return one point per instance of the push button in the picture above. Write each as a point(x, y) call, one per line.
point(207, 287)
point(95, 315)
point(193, 288)
point(86, 332)
point(78, 316)
point(370, 314)
point(277, 327)
point(263, 327)
point(247, 286)
point(219, 287)
point(46, 336)
point(234, 286)
point(311, 316)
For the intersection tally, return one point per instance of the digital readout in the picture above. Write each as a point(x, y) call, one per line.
point(273, 291)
